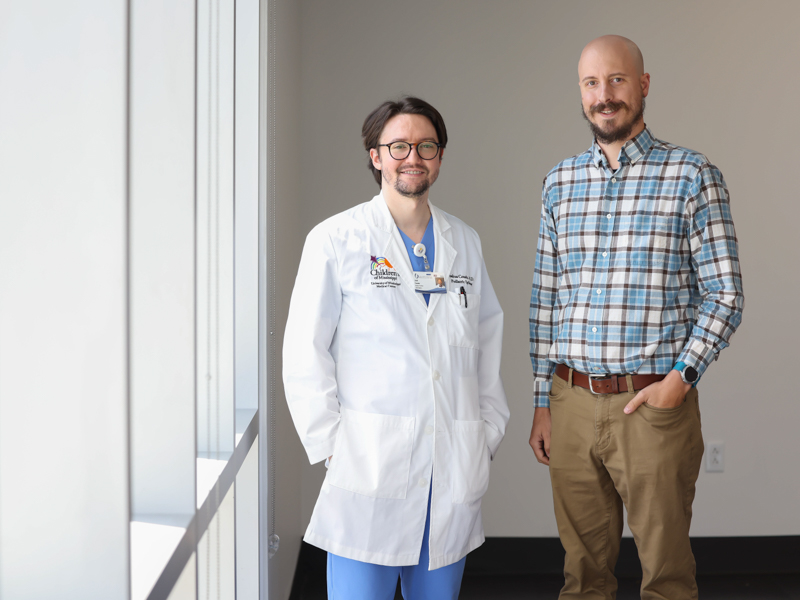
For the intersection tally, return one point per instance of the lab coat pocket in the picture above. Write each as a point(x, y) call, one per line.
point(470, 461)
point(372, 454)
point(462, 319)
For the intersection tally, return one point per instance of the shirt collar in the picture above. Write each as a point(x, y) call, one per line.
point(635, 148)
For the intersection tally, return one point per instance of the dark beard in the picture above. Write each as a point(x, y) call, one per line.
point(620, 133)
point(410, 192)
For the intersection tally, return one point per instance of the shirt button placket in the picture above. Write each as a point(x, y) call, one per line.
point(602, 268)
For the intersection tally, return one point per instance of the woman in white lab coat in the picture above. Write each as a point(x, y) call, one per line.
point(405, 396)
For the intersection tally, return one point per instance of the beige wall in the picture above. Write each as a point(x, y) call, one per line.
point(290, 456)
point(504, 76)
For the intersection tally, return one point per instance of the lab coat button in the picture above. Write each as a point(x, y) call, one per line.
point(428, 429)
point(436, 375)
point(423, 482)
point(431, 322)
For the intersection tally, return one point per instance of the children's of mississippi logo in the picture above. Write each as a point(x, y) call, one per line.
point(383, 273)
point(379, 263)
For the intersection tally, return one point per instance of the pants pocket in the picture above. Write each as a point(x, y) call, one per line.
point(557, 387)
point(372, 455)
point(470, 461)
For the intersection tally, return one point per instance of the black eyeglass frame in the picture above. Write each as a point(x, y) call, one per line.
point(412, 146)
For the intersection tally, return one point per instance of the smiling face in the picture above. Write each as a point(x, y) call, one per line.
point(613, 88)
point(411, 176)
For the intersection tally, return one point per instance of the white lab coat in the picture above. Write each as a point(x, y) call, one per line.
point(397, 391)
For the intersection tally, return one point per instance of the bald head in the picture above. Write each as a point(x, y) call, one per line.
point(613, 88)
point(617, 46)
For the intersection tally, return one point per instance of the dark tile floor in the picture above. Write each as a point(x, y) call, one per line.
point(541, 587)
point(546, 587)
point(484, 578)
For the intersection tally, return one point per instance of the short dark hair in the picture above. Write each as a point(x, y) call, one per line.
point(407, 105)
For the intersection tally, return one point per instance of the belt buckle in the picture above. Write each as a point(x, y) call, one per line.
point(598, 377)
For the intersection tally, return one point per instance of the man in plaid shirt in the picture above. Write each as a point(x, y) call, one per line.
point(636, 290)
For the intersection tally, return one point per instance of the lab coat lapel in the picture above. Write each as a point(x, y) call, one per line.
point(394, 250)
point(445, 252)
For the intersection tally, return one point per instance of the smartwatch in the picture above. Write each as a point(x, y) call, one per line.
point(688, 374)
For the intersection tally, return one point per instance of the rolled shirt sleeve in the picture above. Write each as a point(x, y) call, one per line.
point(543, 317)
point(715, 261)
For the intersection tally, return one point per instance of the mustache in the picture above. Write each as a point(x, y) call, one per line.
point(422, 168)
point(608, 106)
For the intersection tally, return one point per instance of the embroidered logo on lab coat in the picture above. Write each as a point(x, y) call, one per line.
point(380, 263)
point(383, 273)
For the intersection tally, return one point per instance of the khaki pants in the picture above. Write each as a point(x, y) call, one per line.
point(601, 458)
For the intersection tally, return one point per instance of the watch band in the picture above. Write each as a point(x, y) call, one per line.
point(688, 374)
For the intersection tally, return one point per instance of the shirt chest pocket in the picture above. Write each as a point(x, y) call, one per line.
point(462, 319)
point(657, 235)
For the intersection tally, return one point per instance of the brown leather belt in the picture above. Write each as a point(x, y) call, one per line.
point(606, 384)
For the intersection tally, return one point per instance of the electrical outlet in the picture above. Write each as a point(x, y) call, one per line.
point(715, 457)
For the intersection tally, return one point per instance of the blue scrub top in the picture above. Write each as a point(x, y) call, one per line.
point(417, 263)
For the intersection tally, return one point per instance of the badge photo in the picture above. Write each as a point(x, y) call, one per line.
point(429, 283)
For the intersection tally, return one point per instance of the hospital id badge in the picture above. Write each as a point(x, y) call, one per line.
point(429, 283)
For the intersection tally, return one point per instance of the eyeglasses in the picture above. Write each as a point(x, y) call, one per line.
point(401, 150)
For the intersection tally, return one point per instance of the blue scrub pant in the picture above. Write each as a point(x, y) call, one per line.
point(350, 579)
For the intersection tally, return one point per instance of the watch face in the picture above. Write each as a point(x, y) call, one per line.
point(690, 374)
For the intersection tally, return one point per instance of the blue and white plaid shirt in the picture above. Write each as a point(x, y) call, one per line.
point(636, 269)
